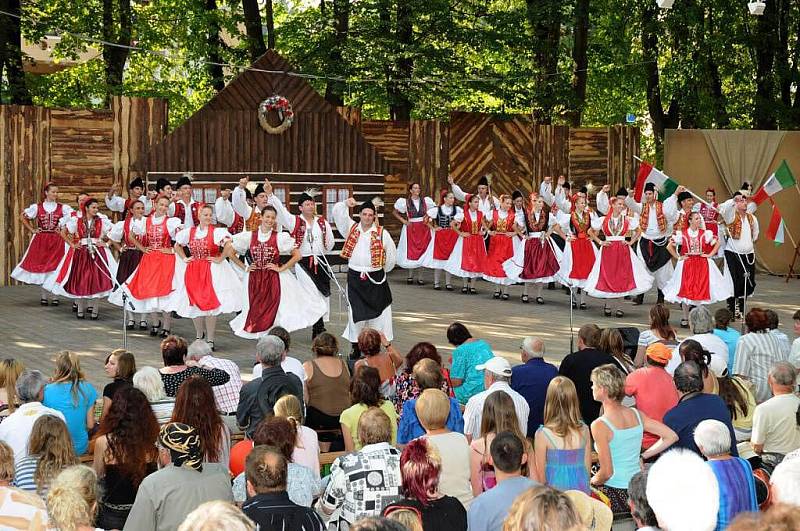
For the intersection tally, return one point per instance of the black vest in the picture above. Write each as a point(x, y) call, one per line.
point(443, 220)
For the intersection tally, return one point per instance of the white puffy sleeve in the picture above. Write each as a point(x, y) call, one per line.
point(459, 193)
point(106, 225)
point(459, 217)
point(632, 205)
point(139, 229)
point(241, 241)
point(755, 229)
point(172, 226)
point(32, 210)
point(285, 218)
point(562, 218)
point(400, 205)
point(182, 237)
point(223, 210)
point(602, 202)
point(709, 237)
point(66, 210)
point(285, 243)
point(597, 222)
point(633, 222)
point(220, 235)
point(239, 202)
point(545, 190)
point(429, 203)
point(391, 251)
point(115, 203)
point(432, 212)
point(751, 207)
point(562, 201)
point(342, 219)
point(728, 211)
point(671, 209)
point(458, 210)
point(115, 234)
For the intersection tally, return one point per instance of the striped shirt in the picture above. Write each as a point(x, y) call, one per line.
point(24, 474)
point(756, 354)
point(474, 409)
point(274, 511)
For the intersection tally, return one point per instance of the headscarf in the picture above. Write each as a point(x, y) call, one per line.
point(183, 443)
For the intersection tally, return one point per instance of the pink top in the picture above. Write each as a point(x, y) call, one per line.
point(655, 394)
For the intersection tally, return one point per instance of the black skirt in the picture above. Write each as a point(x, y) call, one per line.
point(654, 253)
point(738, 265)
point(128, 262)
point(319, 273)
point(369, 294)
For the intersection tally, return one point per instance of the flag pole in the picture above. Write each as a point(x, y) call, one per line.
point(706, 203)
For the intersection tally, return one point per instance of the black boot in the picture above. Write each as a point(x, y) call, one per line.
point(660, 297)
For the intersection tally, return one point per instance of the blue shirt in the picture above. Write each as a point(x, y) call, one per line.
point(59, 397)
point(730, 337)
point(737, 489)
point(488, 511)
point(410, 428)
point(684, 418)
point(465, 358)
point(531, 380)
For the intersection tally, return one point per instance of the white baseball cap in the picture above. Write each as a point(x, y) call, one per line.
point(496, 365)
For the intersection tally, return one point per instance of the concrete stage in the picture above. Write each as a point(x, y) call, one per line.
point(33, 333)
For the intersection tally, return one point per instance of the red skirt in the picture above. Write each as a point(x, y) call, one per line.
point(418, 236)
point(153, 278)
point(443, 242)
point(473, 254)
point(540, 260)
point(695, 279)
point(616, 270)
point(128, 262)
point(200, 286)
point(501, 248)
point(264, 294)
point(44, 253)
point(88, 276)
point(582, 258)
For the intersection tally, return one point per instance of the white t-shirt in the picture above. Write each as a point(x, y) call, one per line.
point(775, 425)
point(16, 428)
point(710, 342)
point(454, 479)
point(290, 364)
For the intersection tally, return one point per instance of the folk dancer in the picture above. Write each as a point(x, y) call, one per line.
point(121, 237)
point(272, 295)
point(415, 236)
point(679, 207)
point(185, 208)
point(46, 248)
point(225, 214)
point(469, 253)
point(164, 189)
point(241, 206)
point(80, 197)
point(580, 254)
point(740, 258)
point(500, 227)
point(712, 220)
point(440, 220)
point(486, 201)
point(370, 253)
point(116, 203)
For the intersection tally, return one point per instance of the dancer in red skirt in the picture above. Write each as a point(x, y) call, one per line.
point(86, 271)
point(151, 286)
point(697, 280)
point(580, 253)
point(469, 253)
point(46, 248)
point(121, 236)
point(440, 219)
point(412, 212)
point(619, 271)
point(500, 227)
point(272, 295)
point(210, 285)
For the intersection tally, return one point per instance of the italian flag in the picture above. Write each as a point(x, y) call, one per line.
point(781, 179)
point(776, 228)
point(648, 174)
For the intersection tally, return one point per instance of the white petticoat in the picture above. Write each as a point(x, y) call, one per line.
point(642, 278)
point(402, 250)
point(57, 288)
point(153, 304)
point(720, 285)
point(453, 264)
point(566, 267)
point(226, 285)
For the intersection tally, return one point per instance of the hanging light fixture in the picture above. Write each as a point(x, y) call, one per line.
point(757, 7)
point(665, 4)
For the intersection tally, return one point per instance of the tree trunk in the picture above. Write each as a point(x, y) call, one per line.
point(270, 18)
point(721, 117)
point(544, 18)
point(764, 44)
point(580, 46)
point(11, 54)
point(400, 104)
point(255, 35)
point(334, 89)
point(116, 29)
point(214, 45)
point(661, 120)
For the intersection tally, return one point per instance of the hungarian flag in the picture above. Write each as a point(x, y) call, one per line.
point(776, 226)
point(648, 174)
point(781, 179)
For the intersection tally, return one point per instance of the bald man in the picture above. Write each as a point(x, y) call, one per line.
point(532, 378)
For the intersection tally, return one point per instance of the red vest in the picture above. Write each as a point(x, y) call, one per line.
point(205, 247)
point(264, 253)
point(48, 221)
point(299, 231)
point(180, 211)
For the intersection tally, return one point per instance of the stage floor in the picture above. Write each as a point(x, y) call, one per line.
point(34, 334)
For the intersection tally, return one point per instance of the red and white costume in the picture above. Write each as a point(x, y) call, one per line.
point(415, 236)
point(711, 217)
point(46, 248)
point(188, 214)
point(119, 204)
point(501, 247)
point(468, 258)
point(536, 258)
point(270, 298)
point(697, 280)
point(444, 240)
point(618, 271)
point(580, 254)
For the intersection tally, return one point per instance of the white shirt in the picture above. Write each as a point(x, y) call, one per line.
point(361, 260)
point(226, 395)
point(241, 241)
point(474, 409)
point(116, 203)
point(652, 232)
point(72, 224)
point(16, 429)
point(289, 365)
point(239, 202)
point(748, 235)
point(484, 205)
point(452, 211)
point(172, 225)
point(220, 234)
point(49, 206)
point(401, 205)
point(313, 240)
point(710, 342)
point(560, 199)
point(223, 211)
point(775, 426)
point(116, 233)
point(188, 220)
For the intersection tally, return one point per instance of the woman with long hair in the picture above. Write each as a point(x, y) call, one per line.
point(440, 219)
point(498, 415)
point(49, 452)
point(543, 509)
point(364, 394)
point(563, 444)
point(74, 397)
point(195, 406)
point(124, 453)
point(406, 386)
point(120, 366)
point(72, 500)
point(691, 350)
point(416, 235)
point(121, 237)
point(612, 343)
point(658, 330)
point(501, 246)
point(10, 369)
point(738, 396)
point(306, 448)
point(469, 253)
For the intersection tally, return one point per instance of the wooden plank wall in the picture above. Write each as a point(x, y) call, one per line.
point(429, 144)
point(138, 124)
point(550, 144)
point(588, 156)
point(623, 144)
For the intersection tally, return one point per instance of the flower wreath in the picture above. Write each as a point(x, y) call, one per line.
point(284, 109)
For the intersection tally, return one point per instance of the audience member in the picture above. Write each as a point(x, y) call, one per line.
point(364, 394)
point(226, 396)
point(148, 380)
point(701, 323)
point(406, 385)
point(427, 375)
point(288, 363)
point(775, 422)
point(578, 367)
point(306, 447)
point(652, 387)
point(363, 483)
point(740, 400)
point(124, 453)
point(165, 497)
point(531, 378)
point(691, 350)
point(683, 492)
point(16, 429)
point(737, 489)
point(722, 318)
point(660, 331)
point(593, 513)
point(420, 466)
point(216, 515)
point(563, 444)
point(794, 355)
point(387, 361)
point(694, 407)
point(73, 396)
point(195, 406)
point(774, 322)
point(268, 503)
point(643, 516)
point(73, 498)
point(779, 517)
point(49, 452)
point(611, 342)
point(10, 369)
point(327, 386)
point(489, 509)
point(785, 482)
point(378, 523)
point(542, 508)
point(468, 354)
point(618, 437)
point(496, 378)
point(757, 352)
point(26, 510)
point(175, 370)
point(409, 517)
point(120, 366)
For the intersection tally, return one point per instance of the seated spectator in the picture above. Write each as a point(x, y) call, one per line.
point(377, 523)
point(701, 323)
point(124, 453)
point(740, 400)
point(406, 386)
point(427, 375)
point(611, 342)
point(660, 331)
point(259, 395)
point(27, 510)
point(176, 370)
point(593, 513)
point(722, 318)
point(737, 488)
point(165, 497)
point(498, 416)
point(306, 447)
point(652, 387)
point(195, 407)
point(364, 394)
point(777, 517)
point(73, 498)
point(794, 355)
point(226, 396)
point(691, 350)
point(468, 354)
point(433, 408)
point(694, 407)
point(531, 378)
point(578, 367)
point(10, 369)
point(618, 437)
point(352, 491)
point(775, 422)
point(148, 380)
point(508, 456)
point(496, 377)
point(289, 364)
point(120, 366)
point(49, 452)
point(563, 444)
point(542, 508)
point(683, 492)
point(73, 396)
point(215, 515)
point(15, 430)
point(268, 503)
point(420, 466)
point(757, 352)
point(387, 361)
point(280, 434)
point(328, 390)
point(774, 322)
point(643, 516)
point(409, 517)
point(785, 482)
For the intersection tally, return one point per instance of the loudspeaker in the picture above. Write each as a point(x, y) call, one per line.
point(630, 340)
